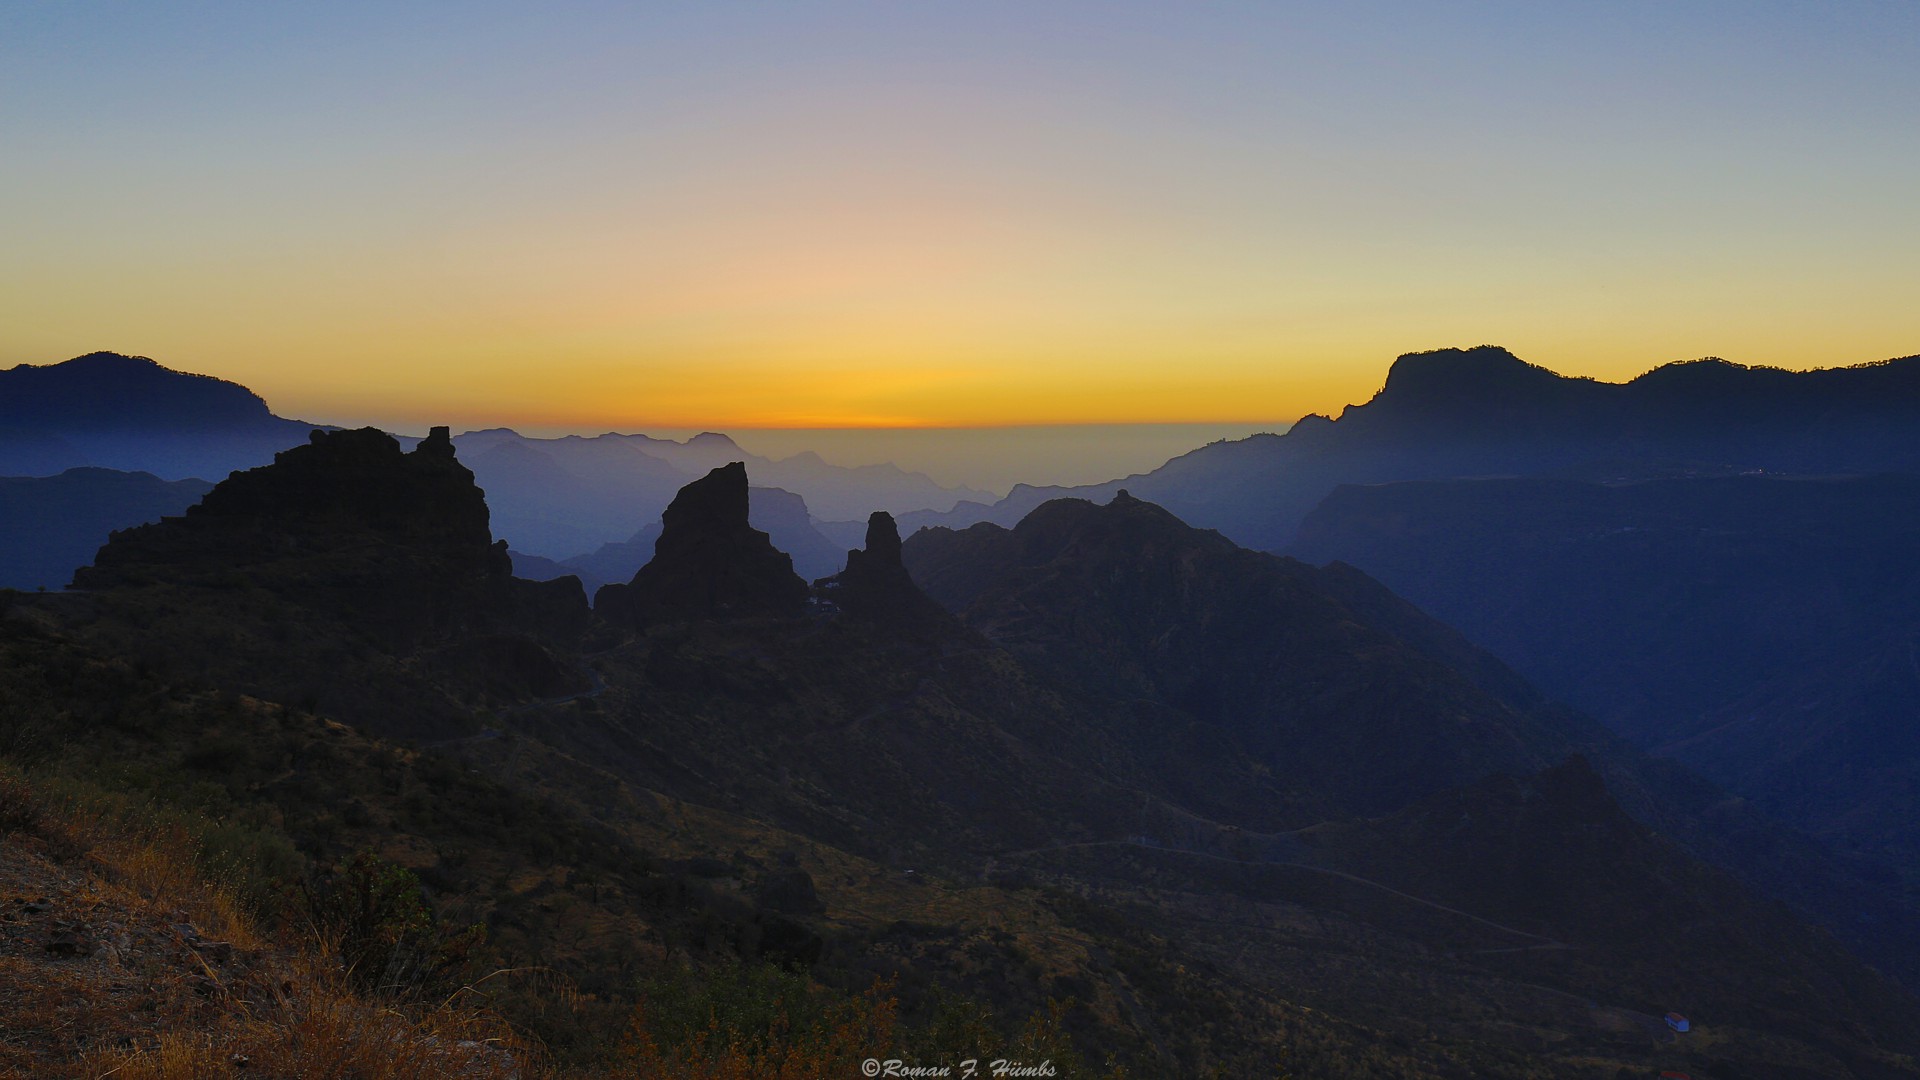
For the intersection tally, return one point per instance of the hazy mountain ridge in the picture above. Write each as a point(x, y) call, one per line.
point(1484, 412)
point(1759, 629)
point(563, 499)
point(782, 515)
point(555, 498)
point(55, 524)
point(1331, 684)
point(129, 413)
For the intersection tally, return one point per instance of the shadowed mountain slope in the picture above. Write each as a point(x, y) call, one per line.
point(344, 563)
point(854, 795)
point(1484, 412)
point(53, 524)
point(1622, 914)
point(1761, 630)
point(1349, 698)
point(1126, 601)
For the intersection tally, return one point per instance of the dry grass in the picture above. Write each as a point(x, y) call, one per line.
point(324, 1031)
point(155, 1005)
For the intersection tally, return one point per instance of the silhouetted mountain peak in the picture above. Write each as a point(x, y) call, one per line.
point(397, 542)
point(716, 501)
point(714, 440)
point(1126, 529)
point(1480, 376)
point(709, 561)
point(104, 361)
point(106, 391)
point(875, 583)
point(883, 540)
point(340, 489)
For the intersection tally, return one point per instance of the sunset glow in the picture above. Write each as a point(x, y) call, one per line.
point(849, 215)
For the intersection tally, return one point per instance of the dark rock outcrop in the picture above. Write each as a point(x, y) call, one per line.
point(348, 522)
point(782, 515)
point(875, 583)
point(708, 563)
point(340, 483)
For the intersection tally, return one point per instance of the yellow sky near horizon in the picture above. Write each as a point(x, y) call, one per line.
point(842, 215)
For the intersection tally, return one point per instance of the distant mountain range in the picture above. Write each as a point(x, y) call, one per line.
point(128, 413)
point(1122, 698)
point(562, 499)
point(1242, 811)
point(1483, 412)
point(1763, 630)
point(49, 525)
point(554, 499)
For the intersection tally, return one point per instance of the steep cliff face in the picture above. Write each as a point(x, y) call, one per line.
point(708, 563)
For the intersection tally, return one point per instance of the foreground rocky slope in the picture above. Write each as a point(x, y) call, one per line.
point(1098, 864)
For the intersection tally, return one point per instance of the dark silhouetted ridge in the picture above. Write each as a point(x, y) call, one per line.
point(106, 390)
point(348, 521)
point(1483, 412)
point(709, 562)
point(875, 583)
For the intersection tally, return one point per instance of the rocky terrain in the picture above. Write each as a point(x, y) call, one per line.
point(1076, 822)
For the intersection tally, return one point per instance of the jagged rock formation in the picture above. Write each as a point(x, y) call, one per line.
point(340, 482)
point(708, 563)
point(782, 515)
point(400, 540)
point(875, 583)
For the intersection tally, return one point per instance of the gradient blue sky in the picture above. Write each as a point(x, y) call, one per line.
point(801, 214)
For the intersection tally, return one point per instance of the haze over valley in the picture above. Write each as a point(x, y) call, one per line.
point(1086, 540)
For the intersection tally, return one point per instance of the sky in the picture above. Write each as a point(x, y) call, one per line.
point(788, 214)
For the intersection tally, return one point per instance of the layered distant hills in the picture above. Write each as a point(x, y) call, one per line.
point(1227, 811)
point(564, 498)
point(586, 501)
point(55, 523)
point(1714, 560)
point(1484, 412)
point(1242, 810)
point(1763, 630)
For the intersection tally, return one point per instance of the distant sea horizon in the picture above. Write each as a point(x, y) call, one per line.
point(991, 459)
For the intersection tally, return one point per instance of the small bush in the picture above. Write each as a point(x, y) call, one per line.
point(19, 809)
point(374, 915)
